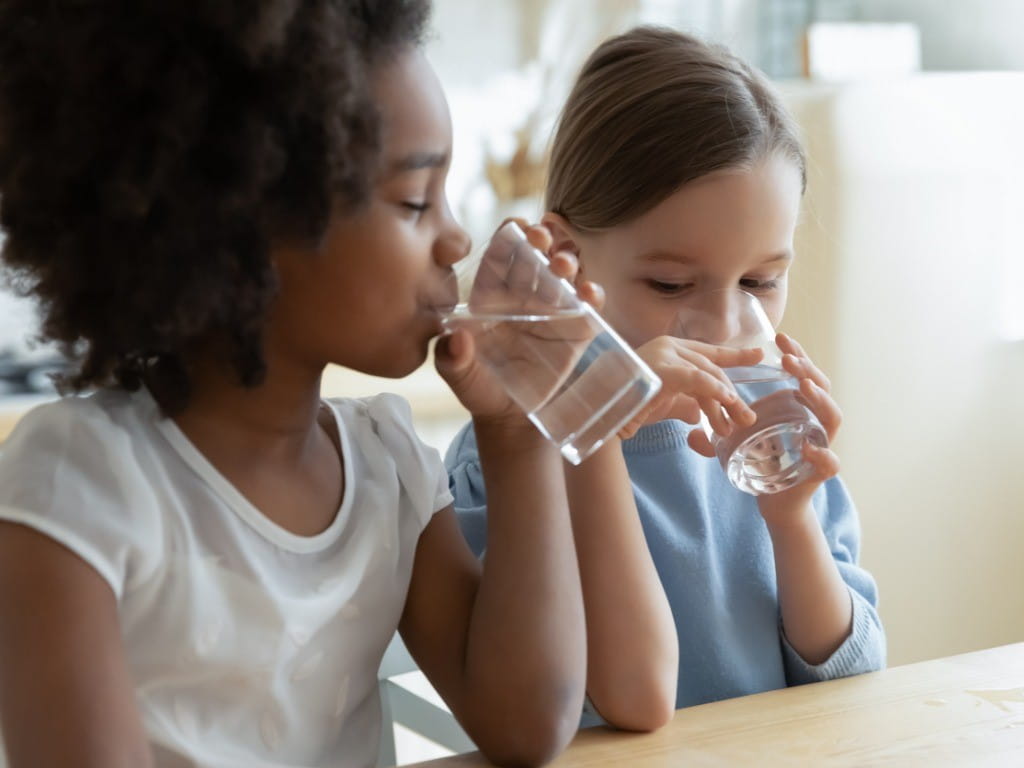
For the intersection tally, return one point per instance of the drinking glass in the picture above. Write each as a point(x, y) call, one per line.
point(765, 457)
point(570, 373)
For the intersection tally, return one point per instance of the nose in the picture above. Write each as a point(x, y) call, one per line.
point(453, 245)
point(714, 319)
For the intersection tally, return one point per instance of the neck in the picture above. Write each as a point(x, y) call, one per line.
point(277, 418)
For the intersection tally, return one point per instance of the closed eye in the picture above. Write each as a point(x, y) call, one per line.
point(669, 289)
point(751, 284)
point(418, 207)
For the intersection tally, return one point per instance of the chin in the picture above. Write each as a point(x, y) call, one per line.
point(399, 363)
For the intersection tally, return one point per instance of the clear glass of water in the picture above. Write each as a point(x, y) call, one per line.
point(573, 376)
point(765, 457)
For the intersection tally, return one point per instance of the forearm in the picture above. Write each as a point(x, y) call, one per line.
point(814, 599)
point(527, 622)
point(632, 648)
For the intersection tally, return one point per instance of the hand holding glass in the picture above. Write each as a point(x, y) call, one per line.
point(572, 375)
point(765, 457)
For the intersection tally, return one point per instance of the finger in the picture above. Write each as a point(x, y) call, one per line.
point(681, 407)
point(786, 344)
point(539, 237)
point(551, 293)
point(693, 358)
point(699, 442)
point(565, 265)
point(454, 353)
point(724, 357)
point(716, 416)
point(629, 430)
point(824, 460)
point(525, 272)
point(592, 293)
point(519, 221)
point(734, 405)
point(686, 378)
point(491, 282)
point(791, 346)
point(803, 368)
point(823, 406)
point(654, 411)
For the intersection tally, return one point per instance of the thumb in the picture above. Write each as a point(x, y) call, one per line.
point(453, 354)
point(455, 360)
point(699, 442)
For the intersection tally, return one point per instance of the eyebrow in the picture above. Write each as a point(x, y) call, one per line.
point(418, 161)
point(682, 258)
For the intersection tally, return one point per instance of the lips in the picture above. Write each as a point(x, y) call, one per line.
point(444, 298)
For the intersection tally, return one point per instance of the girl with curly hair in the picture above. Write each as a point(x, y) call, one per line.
point(201, 561)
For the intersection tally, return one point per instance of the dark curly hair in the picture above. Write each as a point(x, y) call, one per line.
point(151, 151)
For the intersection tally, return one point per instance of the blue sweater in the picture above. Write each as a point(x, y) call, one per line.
point(714, 557)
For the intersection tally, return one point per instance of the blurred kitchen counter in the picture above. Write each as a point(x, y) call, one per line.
point(430, 397)
point(436, 412)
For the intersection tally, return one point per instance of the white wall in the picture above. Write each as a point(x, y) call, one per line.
point(913, 213)
point(956, 34)
point(960, 34)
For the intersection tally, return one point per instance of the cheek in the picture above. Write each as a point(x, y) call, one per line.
point(775, 306)
point(639, 318)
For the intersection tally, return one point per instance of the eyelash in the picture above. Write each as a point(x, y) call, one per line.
point(671, 289)
point(764, 285)
point(418, 208)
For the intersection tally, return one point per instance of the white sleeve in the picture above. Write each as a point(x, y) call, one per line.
point(420, 469)
point(68, 472)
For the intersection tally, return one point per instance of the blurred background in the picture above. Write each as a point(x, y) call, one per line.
point(907, 285)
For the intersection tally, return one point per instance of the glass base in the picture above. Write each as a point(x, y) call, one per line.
point(604, 424)
point(771, 460)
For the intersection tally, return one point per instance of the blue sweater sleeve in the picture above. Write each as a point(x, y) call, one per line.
point(864, 649)
point(466, 482)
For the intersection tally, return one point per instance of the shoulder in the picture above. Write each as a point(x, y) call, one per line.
point(385, 417)
point(76, 427)
point(381, 432)
point(72, 471)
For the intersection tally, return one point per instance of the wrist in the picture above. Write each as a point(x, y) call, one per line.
point(600, 461)
point(509, 430)
point(787, 519)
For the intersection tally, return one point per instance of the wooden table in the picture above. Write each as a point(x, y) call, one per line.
point(960, 711)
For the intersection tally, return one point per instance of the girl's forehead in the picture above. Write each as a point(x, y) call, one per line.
point(746, 209)
point(414, 112)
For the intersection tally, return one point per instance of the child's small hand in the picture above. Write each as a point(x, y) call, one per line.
point(693, 381)
point(455, 355)
point(815, 394)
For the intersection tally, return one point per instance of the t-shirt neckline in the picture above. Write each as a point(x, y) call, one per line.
point(244, 508)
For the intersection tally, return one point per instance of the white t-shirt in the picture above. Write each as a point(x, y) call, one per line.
point(250, 646)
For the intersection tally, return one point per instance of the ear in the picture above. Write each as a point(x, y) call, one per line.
point(563, 236)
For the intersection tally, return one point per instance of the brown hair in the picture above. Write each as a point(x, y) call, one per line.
point(652, 110)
